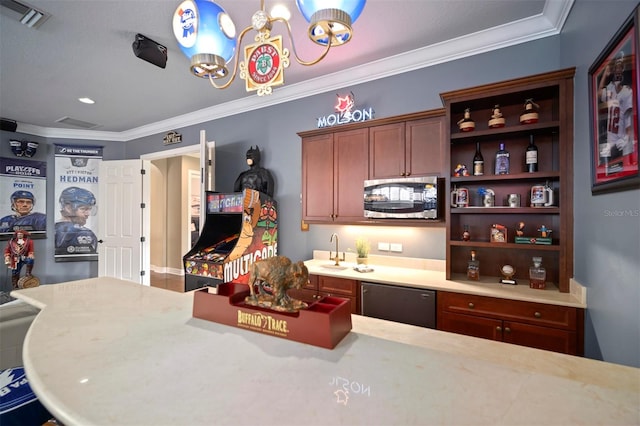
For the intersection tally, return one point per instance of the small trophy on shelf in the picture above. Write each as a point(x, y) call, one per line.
point(530, 113)
point(508, 272)
point(497, 120)
point(466, 124)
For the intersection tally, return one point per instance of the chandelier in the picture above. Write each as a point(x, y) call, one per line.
point(207, 36)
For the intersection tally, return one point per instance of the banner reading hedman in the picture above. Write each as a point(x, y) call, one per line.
point(76, 195)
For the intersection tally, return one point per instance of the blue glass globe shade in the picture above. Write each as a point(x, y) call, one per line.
point(202, 26)
point(330, 20)
point(352, 7)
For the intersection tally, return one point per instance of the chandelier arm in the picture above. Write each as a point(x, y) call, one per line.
point(293, 45)
point(235, 63)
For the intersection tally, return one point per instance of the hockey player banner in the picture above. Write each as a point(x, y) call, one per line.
point(76, 200)
point(23, 197)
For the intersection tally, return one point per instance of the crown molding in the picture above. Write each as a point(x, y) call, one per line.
point(546, 24)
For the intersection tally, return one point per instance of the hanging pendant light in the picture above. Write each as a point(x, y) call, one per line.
point(207, 36)
point(330, 20)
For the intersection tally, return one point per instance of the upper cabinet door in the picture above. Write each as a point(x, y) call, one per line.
point(387, 151)
point(424, 153)
point(407, 149)
point(350, 171)
point(317, 178)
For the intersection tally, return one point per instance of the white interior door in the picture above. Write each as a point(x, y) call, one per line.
point(123, 251)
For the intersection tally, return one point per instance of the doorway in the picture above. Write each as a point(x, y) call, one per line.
point(170, 213)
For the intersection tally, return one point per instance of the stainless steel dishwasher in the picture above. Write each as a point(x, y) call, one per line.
point(407, 305)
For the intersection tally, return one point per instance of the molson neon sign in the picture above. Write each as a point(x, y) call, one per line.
point(345, 113)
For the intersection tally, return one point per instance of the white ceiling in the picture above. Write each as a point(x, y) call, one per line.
point(84, 49)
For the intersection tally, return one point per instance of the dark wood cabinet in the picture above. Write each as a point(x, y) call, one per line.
point(333, 172)
point(536, 325)
point(553, 135)
point(410, 148)
point(322, 286)
point(336, 161)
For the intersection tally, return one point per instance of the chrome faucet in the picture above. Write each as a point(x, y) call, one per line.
point(337, 258)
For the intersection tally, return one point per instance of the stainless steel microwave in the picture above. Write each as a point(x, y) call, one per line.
point(402, 198)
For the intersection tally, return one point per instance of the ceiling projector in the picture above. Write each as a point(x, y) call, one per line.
point(150, 51)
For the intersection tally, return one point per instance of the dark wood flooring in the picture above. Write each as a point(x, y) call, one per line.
point(167, 281)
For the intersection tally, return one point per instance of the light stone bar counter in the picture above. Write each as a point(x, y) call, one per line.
point(430, 274)
point(106, 351)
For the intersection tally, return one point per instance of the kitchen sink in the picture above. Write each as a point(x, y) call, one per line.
point(334, 266)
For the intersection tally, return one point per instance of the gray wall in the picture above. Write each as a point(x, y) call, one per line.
point(607, 245)
point(46, 269)
point(606, 257)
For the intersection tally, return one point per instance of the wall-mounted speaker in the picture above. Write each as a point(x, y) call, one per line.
point(8, 125)
point(150, 51)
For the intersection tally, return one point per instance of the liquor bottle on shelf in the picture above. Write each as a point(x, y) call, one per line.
point(531, 156)
point(502, 161)
point(530, 113)
point(537, 274)
point(473, 268)
point(466, 124)
point(497, 120)
point(478, 162)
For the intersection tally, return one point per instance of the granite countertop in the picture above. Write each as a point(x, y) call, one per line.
point(108, 351)
point(430, 274)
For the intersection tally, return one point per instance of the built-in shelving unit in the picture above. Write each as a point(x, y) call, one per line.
point(553, 135)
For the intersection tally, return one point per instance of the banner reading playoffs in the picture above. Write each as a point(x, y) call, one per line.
point(23, 197)
point(76, 194)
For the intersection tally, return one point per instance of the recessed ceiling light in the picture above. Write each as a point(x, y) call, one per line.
point(87, 100)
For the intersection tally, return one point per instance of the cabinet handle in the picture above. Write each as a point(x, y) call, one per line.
point(499, 329)
point(537, 315)
point(403, 174)
point(507, 330)
point(471, 305)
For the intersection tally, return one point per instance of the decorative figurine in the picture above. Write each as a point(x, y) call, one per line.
point(18, 253)
point(256, 177)
point(530, 113)
point(466, 235)
point(497, 120)
point(466, 124)
point(460, 170)
point(520, 229)
point(273, 277)
point(544, 231)
point(498, 233)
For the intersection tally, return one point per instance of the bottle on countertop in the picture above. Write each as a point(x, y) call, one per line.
point(478, 162)
point(531, 156)
point(537, 274)
point(502, 161)
point(473, 269)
